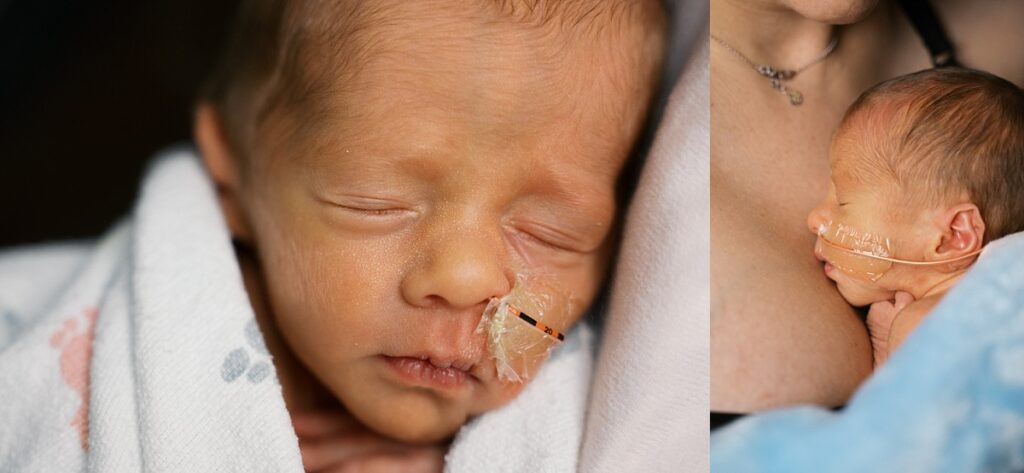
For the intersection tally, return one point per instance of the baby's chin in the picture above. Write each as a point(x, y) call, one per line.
point(413, 430)
point(413, 417)
point(860, 294)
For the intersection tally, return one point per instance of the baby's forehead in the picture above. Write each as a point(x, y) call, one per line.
point(432, 139)
point(878, 126)
point(396, 62)
point(329, 43)
point(348, 29)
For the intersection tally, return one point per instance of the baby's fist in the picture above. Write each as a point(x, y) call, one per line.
point(880, 319)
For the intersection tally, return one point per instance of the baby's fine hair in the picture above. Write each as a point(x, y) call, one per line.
point(284, 52)
point(945, 132)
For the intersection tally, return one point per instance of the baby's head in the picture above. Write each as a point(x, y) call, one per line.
point(926, 168)
point(398, 164)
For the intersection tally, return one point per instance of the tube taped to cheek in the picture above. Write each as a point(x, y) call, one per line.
point(518, 339)
point(844, 246)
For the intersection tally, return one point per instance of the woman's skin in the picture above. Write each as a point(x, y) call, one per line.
point(781, 334)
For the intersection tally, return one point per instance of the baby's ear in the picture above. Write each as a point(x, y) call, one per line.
point(963, 231)
point(223, 167)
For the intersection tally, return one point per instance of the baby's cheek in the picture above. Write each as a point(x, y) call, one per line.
point(327, 294)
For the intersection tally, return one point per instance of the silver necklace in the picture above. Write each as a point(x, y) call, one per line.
point(777, 76)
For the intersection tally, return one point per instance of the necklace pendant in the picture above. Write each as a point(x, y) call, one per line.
point(767, 71)
point(795, 97)
point(773, 73)
point(779, 77)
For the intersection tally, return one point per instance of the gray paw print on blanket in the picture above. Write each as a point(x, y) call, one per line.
point(10, 327)
point(237, 362)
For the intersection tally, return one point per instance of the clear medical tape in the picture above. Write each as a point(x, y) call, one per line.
point(518, 339)
point(901, 261)
point(863, 254)
point(853, 251)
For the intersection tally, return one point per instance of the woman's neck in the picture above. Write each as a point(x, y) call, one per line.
point(769, 33)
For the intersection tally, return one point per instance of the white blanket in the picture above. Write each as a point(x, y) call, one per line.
point(140, 353)
point(649, 403)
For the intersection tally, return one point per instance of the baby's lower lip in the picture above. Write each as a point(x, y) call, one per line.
point(423, 373)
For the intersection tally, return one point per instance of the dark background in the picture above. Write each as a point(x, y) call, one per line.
point(89, 91)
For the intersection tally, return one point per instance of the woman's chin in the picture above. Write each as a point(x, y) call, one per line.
point(834, 12)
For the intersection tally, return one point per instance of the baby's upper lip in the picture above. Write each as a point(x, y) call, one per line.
point(445, 361)
point(460, 347)
point(817, 253)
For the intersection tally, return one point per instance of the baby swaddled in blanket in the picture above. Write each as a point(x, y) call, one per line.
point(398, 211)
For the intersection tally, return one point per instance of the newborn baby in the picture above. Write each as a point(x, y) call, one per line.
point(926, 170)
point(422, 198)
point(392, 167)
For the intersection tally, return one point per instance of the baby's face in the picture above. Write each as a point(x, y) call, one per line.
point(419, 191)
point(863, 212)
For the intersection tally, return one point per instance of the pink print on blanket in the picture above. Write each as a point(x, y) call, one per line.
point(74, 340)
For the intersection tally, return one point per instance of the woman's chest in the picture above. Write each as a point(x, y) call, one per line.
point(773, 167)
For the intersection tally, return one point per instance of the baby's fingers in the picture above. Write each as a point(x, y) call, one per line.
point(323, 452)
point(409, 460)
point(880, 313)
point(880, 317)
point(312, 424)
point(901, 300)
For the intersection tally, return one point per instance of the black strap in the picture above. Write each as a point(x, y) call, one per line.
point(722, 419)
point(922, 16)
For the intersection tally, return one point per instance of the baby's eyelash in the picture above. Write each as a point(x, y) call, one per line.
point(374, 212)
point(368, 207)
point(546, 243)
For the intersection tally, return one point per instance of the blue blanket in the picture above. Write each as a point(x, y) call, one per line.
point(950, 400)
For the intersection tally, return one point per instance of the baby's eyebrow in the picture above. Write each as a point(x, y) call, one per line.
point(418, 163)
point(573, 198)
point(584, 212)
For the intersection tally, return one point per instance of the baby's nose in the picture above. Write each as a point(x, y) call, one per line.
point(817, 219)
point(461, 272)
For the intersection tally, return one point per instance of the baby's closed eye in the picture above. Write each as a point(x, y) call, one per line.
point(555, 237)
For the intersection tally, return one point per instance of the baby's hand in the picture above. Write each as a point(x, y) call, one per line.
point(333, 441)
point(880, 319)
